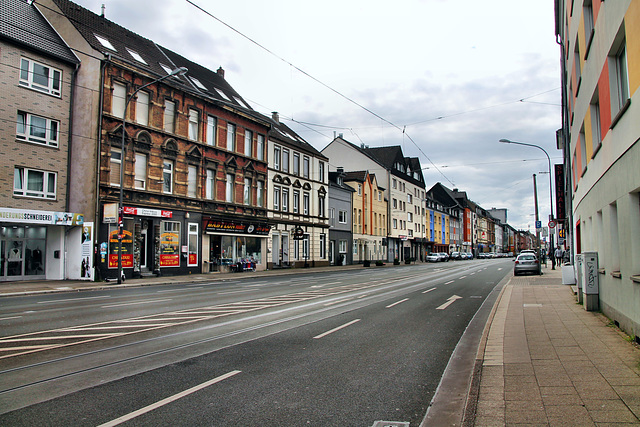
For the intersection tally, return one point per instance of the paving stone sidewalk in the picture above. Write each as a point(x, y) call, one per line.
point(549, 362)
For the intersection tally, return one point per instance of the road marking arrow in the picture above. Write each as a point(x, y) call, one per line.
point(450, 301)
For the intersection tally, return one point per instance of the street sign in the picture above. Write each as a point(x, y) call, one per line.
point(538, 224)
point(561, 233)
point(552, 224)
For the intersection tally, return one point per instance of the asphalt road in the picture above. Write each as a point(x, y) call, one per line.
point(343, 348)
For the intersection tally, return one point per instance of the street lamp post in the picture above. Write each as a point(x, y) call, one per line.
point(181, 71)
point(508, 141)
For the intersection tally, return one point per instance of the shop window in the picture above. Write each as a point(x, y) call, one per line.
point(169, 244)
point(127, 244)
point(192, 257)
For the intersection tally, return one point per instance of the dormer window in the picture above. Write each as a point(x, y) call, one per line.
point(222, 94)
point(104, 42)
point(136, 56)
point(167, 69)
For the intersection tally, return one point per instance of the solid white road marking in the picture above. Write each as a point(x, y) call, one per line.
point(169, 399)
point(450, 301)
point(151, 301)
point(397, 302)
point(336, 329)
point(428, 290)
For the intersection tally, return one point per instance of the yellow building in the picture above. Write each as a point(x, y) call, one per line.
point(369, 217)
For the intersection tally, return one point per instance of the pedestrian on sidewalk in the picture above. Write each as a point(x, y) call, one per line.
point(559, 254)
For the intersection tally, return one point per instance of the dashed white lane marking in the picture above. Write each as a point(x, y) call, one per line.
point(428, 290)
point(73, 299)
point(449, 282)
point(324, 334)
point(169, 399)
point(397, 302)
point(9, 318)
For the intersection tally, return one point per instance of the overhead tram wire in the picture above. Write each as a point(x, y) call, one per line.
point(191, 2)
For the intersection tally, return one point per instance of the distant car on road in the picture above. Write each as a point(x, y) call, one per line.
point(526, 263)
point(433, 257)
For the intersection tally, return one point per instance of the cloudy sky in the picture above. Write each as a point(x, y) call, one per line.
point(445, 79)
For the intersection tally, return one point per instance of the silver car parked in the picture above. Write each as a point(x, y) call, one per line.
point(526, 263)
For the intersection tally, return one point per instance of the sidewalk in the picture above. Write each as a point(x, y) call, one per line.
point(547, 361)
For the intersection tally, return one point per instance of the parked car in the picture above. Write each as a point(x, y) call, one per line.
point(526, 263)
point(456, 255)
point(467, 255)
point(444, 256)
point(433, 257)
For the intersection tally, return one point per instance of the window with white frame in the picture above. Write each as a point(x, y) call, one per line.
point(305, 246)
point(140, 178)
point(395, 223)
point(167, 176)
point(321, 171)
point(285, 200)
point(260, 147)
point(248, 143)
point(246, 192)
point(321, 206)
point(29, 182)
point(285, 160)
point(192, 180)
point(296, 164)
point(395, 203)
point(142, 108)
point(40, 77)
point(323, 246)
point(305, 203)
point(410, 216)
point(296, 201)
point(231, 137)
point(409, 198)
point(115, 163)
point(276, 158)
point(36, 129)
point(305, 166)
point(394, 183)
point(118, 99)
point(355, 248)
point(230, 187)
point(194, 118)
point(342, 217)
point(276, 198)
point(595, 125)
point(169, 115)
point(260, 194)
point(212, 125)
point(342, 246)
point(210, 184)
point(359, 189)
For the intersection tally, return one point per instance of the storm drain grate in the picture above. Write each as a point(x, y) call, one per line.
point(390, 424)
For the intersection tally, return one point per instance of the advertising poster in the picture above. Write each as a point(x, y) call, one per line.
point(86, 265)
point(127, 249)
point(170, 249)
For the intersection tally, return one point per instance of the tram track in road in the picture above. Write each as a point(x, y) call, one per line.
point(280, 313)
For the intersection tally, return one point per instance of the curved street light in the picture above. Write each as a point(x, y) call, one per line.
point(508, 141)
point(180, 71)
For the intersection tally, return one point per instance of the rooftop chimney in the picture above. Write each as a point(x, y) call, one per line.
point(275, 116)
point(220, 72)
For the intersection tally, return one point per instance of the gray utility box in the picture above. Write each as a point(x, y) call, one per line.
point(580, 281)
point(590, 281)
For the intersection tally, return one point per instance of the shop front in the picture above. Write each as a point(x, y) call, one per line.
point(234, 245)
point(154, 242)
point(40, 245)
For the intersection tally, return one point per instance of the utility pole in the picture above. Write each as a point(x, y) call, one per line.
point(535, 197)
